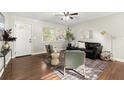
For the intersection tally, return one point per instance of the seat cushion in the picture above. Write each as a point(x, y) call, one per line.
point(81, 45)
point(89, 51)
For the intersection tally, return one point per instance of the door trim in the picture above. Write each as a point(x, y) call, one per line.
point(16, 41)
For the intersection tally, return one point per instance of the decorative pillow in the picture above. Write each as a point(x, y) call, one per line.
point(73, 43)
point(81, 45)
point(76, 44)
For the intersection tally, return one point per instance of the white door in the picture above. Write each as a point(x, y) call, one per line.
point(23, 42)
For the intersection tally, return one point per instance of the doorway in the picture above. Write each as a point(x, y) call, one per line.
point(23, 41)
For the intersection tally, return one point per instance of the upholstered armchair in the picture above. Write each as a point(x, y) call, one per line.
point(93, 50)
point(74, 59)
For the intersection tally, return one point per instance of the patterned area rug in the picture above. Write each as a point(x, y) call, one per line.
point(50, 76)
point(92, 68)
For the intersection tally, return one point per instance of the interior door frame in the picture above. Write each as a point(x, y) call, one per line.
point(15, 22)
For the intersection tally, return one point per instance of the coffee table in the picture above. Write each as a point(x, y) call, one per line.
point(58, 66)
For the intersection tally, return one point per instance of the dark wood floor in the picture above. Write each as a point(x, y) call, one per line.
point(26, 68)
point(114, 71)
point(30, 68)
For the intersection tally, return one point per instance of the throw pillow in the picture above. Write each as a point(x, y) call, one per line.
point(73, 43)
point(81, 45)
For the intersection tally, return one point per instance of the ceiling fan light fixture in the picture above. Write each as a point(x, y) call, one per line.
point(67, 17)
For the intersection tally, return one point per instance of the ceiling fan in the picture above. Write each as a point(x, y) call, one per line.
point(67, 15)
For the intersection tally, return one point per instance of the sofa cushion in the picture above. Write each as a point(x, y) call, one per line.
point(81, 45)
point(89, 51)
point(90, 45)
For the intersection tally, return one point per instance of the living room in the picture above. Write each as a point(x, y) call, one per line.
point(104, 29)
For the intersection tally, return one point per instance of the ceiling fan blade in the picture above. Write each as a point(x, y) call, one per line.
point(64, 13)
point(67, 13)
point(74, 14)
point(71, 18)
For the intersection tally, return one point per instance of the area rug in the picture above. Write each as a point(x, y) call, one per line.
point(92, 68)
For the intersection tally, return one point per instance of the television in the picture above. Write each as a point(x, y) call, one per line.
point(2, 24)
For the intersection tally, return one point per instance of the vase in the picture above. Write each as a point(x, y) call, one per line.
point(6, 46)
point(55, 59)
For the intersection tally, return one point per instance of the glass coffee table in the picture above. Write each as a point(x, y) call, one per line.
point(56, 62)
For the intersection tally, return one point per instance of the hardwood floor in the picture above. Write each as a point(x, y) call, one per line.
point(114, 71)
point(31, 68)
point(26, 68)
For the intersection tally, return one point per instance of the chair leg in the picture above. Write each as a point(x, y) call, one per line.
point(75, 72)
point(84, 71)
point(64, 71)
point(86, 77)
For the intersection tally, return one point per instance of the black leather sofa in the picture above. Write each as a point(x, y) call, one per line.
point(70, 47)
point(92, 50)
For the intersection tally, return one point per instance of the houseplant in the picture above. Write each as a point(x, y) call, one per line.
point(69, 36)
point(7, 38)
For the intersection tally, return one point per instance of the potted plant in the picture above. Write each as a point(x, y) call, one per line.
point(69, 36)
point(7, 38)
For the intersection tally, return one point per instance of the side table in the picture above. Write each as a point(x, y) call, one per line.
point(3, 54)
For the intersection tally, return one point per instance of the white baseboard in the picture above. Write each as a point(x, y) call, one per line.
point(1, 72)
point(32, 54)
point(118, 59)
point(8, 60)
point(38, 53)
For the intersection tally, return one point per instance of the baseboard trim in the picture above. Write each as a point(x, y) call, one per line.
point(8, 60)
point(1, 73)
point(32, 54)
point(38, 53)
point(118, 59)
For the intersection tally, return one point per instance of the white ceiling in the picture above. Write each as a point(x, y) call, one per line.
point(50, 16)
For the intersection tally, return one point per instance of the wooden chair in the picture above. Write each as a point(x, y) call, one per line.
point(49, 49)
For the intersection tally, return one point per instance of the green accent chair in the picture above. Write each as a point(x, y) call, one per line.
point(74, 59)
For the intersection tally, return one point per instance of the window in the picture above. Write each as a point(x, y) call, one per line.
point(53, 34)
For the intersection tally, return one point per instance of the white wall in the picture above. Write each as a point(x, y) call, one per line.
point(113, 25)
point(81, 33)
point(38, 45)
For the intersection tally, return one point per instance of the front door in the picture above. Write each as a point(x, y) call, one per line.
point(23, 42)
